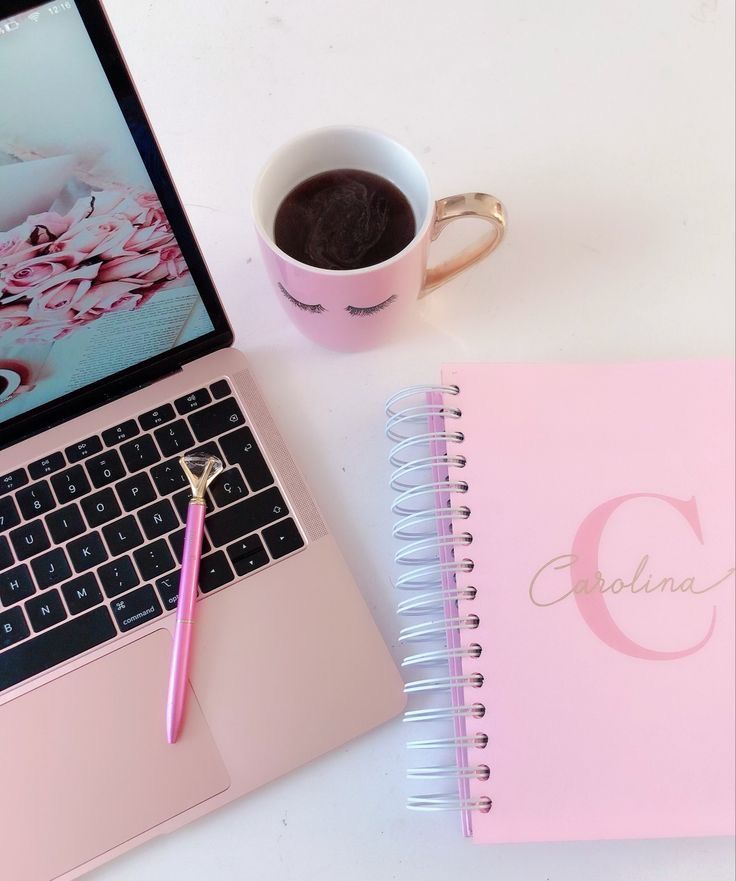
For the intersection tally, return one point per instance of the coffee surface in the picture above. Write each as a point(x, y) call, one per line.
point(344, 219)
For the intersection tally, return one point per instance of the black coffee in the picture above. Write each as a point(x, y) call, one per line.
point(344, 219)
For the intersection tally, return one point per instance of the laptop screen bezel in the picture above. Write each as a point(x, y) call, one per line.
point(118, 384)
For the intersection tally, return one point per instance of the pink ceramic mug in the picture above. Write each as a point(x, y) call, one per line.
point(355, 309)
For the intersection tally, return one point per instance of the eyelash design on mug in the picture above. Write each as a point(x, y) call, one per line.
point(315, 308)
point(370, 310)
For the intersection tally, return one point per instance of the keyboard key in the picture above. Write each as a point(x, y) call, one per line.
point(105, 469)
point(70, 484)
point(175, 438)
point(228, 487)
point(13, 628)
point(55, 646)
point(65, 523)
point(82, 593)
point(159, 416)
point(102, 507)
point(168, 590)
point(158, 519)
point(245, 517)
point(177, 543)
point(136, 608)
point(16, 584)
point(181, 503)
point(192, 401)
point(136, 491)
point(140, 453)
point(47, 465)
point(45, 610)
point(13, 480)
point(214, 571)
point(123, 535)
point(154, 560)
point(220, 389)
point(168, 476)
point(283, 538)
point(83, 448)
point(86, 551)
point(6, 555)
point(119, 433)
point(51, 568)
point(247, 554)
point(9, 515)
point(118, 576)
point(217, 419)
point(208, 449)
point(29, 539)
point(240, 448)
point(35, 499)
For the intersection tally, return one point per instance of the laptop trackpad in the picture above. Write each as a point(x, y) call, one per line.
point(86, 765)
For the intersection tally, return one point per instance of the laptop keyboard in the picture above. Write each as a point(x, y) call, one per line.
point(91, 536)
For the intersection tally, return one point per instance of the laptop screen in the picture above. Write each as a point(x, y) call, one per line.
point(92, 278)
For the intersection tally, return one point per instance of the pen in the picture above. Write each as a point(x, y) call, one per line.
point(200, 471)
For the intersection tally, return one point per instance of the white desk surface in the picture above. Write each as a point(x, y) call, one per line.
point(607, 130)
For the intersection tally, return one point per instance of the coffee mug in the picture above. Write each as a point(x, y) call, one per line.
point(354, 309)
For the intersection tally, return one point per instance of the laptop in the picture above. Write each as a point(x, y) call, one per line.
point(115, 359)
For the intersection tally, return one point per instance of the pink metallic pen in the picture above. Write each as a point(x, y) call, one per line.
point(200, 471)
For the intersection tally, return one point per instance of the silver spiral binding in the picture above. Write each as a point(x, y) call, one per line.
point(444, 772)
point(455, 712)
point(424, 523)
point(444, 802)
point(441, 656)
point(427, 630)
point(475, 741)
point(441, 683)
point(435, 548)
point(433, 601)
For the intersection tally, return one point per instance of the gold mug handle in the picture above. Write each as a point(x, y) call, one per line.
point(480, 205)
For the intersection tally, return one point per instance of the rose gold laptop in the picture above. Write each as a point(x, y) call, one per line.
point(115, 358)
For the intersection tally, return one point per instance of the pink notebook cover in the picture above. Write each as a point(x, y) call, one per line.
point(610, 713)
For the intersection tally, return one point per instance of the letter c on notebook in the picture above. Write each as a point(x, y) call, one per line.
point(592, 605)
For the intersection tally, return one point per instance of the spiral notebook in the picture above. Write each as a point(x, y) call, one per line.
point(567, 569)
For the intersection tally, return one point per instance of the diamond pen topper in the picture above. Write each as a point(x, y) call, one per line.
point(200, 470)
